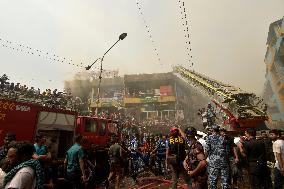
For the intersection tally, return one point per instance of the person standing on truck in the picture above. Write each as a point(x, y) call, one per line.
point(74, 164)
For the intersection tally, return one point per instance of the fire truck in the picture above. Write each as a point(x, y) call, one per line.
point(59, 126)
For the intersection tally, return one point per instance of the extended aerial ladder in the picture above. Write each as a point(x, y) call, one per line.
point(242, 109)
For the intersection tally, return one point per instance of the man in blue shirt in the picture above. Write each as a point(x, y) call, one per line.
point(41, 152)
point(74, 164)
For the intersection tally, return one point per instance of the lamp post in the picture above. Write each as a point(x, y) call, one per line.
point(121, 37)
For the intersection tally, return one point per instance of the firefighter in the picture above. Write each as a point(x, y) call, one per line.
point(175, 156)
point(195, 161)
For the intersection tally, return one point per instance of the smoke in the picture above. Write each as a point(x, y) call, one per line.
point(228, 37)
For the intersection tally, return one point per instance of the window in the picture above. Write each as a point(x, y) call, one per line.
point(103, 128)
point(90, 125)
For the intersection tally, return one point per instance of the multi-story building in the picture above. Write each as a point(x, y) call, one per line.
point(274, 86)
point(153, 97)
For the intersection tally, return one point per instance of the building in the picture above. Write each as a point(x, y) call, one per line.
point(274, 85)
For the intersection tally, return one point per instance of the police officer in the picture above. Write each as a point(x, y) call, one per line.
point(135, 155)
point(195, 161)
point(218, 164)
point(175, 156)
point(161, 148)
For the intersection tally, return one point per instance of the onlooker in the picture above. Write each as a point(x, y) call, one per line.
point(116, 164)
point(254, 151)
point(26, 172)
point(268, 146)
point(43, 156)
point(74, 164)
point(41, 152)
point(278, 149)
point(4, 149)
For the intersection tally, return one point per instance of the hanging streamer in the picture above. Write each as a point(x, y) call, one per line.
point(31, 51)
point(185, 22)
point(148, 31)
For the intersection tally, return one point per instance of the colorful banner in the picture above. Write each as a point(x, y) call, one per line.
point(149, 100)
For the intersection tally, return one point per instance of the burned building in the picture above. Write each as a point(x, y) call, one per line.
point(274, 85)
point(156, 97)
point(150, 96)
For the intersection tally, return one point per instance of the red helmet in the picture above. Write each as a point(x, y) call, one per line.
point(174, 130)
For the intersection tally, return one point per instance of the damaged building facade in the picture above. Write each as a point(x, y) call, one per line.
point(157, 96)
point(274, 85)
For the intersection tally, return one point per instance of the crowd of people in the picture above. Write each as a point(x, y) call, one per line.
point(181, 152)
point(49, 98)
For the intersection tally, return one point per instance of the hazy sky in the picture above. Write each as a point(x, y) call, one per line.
point(228, 38)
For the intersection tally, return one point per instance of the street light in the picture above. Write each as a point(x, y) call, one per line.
point(121, 37)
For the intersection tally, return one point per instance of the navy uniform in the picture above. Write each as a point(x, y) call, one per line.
point(134, 144)
point(218, 159)
point(175, 157)
point(161, 146)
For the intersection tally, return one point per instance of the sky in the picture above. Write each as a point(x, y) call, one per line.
point(228, 38)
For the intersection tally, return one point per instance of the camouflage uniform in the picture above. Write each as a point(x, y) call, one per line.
point(199, 181)
point(218, 161)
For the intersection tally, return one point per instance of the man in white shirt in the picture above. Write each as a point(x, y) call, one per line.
point(278, 150)
point(24, 179)
point(25, 172)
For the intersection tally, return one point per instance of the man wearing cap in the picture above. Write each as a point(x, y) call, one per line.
point(175, 156)
point(195, 161)
point(218, 163)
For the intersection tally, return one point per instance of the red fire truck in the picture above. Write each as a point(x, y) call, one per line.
point(27, 120)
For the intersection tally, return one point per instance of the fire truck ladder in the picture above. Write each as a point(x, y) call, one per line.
point(232, 100)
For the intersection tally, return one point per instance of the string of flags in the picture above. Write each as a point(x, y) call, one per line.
point(22, 48)
point(185, 24)
point(147, 27)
